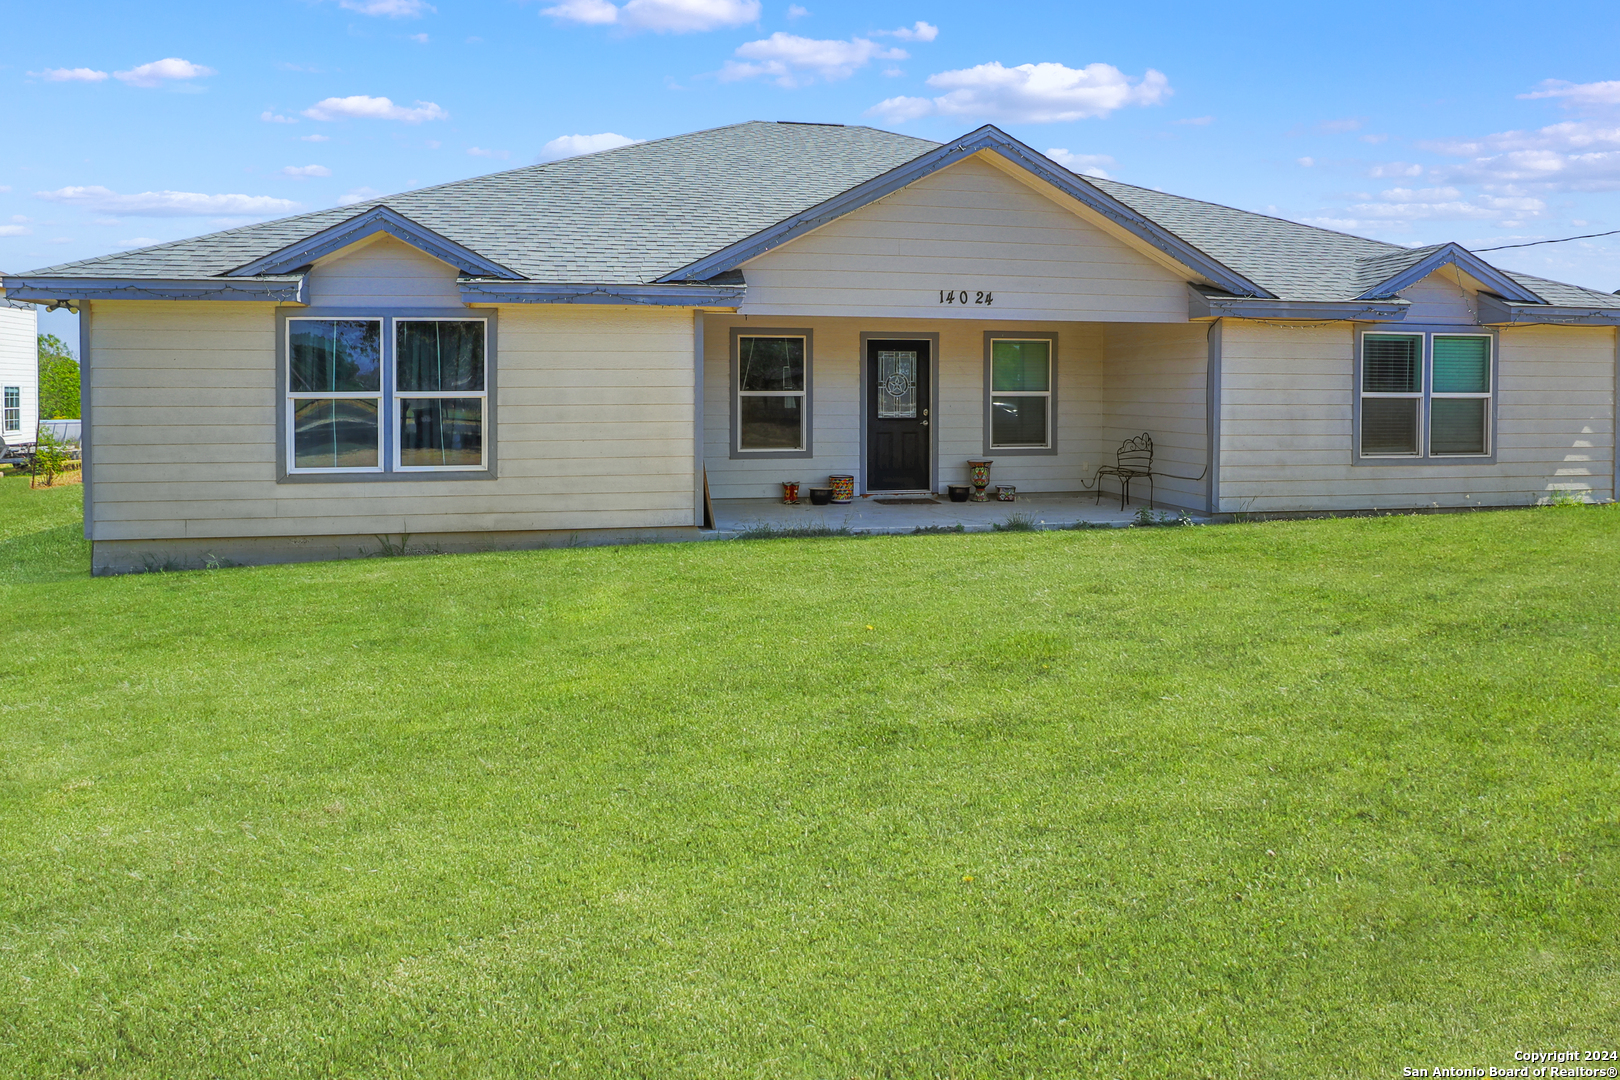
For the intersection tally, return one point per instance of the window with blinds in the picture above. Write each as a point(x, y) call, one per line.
point(1425, 395)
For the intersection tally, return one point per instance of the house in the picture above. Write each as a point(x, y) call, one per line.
point(19, 373)
point(566, 352)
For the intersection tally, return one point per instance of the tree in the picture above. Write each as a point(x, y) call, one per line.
point(58, 380)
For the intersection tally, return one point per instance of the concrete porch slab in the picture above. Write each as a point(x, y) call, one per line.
point(1046, 510)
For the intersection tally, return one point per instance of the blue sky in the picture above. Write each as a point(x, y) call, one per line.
point(137, 123)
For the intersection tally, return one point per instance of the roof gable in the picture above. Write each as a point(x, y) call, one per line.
point(379, 219)
point(993, 140)
point(1383, 276)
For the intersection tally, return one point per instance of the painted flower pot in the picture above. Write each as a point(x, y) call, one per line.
point(1006, 493)
point(820, 496)
point(790, 492)
point(979, 477)
point(958, 492)
point(843, 487)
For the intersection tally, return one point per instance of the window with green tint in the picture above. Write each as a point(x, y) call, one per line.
point(1020, 393)
point(1020, 366)
point(1462, 365)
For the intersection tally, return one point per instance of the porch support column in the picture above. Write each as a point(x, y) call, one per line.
point(1212, 422)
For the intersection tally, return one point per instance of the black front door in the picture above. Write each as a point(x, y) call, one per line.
point(897, 393)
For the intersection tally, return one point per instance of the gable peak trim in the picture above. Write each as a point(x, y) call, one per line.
point(987, 138)
point(379, 219)
point(1450, 254)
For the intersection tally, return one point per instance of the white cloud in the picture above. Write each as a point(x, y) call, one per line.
point(477, 151)
point(314, 138)
point(69, 75)
point(1374, 139)
point(1578, 94)
point(1340, 127)
point(358, 195)
point(160, 71)
point(1084, 164)
point(794, 11)
point(15, 230)
point(5, 189)
point(797, 61)
point(918, 31)
point(276, 118)
point(168, 203)
point(1575, 155)
point(19, 219)
point(1306, 161)
point(306, 171)
point(420, 39)
point(1389, 170)
point(361, 107)
point(1029, 93)
point(659, 16)
point(567, 146)
point(398, 9)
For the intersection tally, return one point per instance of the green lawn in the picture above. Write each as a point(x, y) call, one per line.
point(1316, 799)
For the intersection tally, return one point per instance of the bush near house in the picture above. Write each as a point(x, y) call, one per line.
point(1316, 797)
point(58, 380)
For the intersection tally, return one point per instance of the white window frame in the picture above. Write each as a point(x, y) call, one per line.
point(991, 393)
point(1424, 396)
point(738, 394)
point(1486, 397)
point(396, 396)
point(293, 397)
point(13, 413)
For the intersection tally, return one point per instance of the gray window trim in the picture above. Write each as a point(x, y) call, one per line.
point(933, 402)
point(735, 405)
point(991, 336)
point(1423, 457)
point(389, 473)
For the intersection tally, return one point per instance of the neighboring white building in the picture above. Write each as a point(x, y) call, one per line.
point(572, 352)
point(19, 372)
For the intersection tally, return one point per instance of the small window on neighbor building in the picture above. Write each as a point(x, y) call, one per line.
point(13, 417)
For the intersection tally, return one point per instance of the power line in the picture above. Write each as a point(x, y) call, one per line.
point(1562, 240)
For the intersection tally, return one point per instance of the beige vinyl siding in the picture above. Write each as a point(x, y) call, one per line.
point(382, 271)
point(958, 421)
point(595, 413)
point(1287, 419)
point(1154, 379)
point(971, 226)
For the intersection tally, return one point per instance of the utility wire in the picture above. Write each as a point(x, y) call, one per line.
point(1563, 240)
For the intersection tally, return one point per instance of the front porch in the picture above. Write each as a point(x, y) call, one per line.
point(866, 515)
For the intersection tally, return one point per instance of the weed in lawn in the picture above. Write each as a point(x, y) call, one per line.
point(766, 531)
point(931, 530)
point(1015, 523)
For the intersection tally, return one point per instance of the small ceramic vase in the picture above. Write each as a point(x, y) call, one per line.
point(979, 477)
point(790, 492)
point(843, 487)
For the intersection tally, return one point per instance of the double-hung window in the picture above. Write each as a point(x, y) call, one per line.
point(1425, 395)
point(13, 415)
point(772, 395)
point(1020, 378)
point(387, 394)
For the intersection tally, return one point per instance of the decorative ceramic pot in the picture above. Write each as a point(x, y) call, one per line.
point(1006, 494)
point(959, 492)
point(979, 477)
point(820, 496)
point(790, 492)
point(843, 487)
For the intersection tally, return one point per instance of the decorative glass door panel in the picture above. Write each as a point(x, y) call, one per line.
point(899, 450)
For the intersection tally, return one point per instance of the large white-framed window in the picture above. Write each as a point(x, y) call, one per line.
point(1425, 395)
point(13, 409)
point(385, 396)
point(771, 393)
point(1019, 379)
point(334, 395)
point(441, 398)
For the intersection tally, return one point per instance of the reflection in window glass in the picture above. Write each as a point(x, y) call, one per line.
point(772, 423)
point(441, 431)
point(1021, 394)
point(1017, 421)
point(334, 356)
point(771, 396)
point(335, 433)
point(440, 356)
point(765, 364)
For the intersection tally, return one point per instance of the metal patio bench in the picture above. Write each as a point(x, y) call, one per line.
point(1133, 459)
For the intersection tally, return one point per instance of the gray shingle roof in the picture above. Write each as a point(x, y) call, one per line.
point(634, 214)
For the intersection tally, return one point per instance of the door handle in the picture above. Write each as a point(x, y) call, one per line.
point(923, 424)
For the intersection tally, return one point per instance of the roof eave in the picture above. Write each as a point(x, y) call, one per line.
point(1496, 311)
point(1203, 304)
point(283, 288)
point(999, 142)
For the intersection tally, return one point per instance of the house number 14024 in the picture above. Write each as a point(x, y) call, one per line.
point(966, 296)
